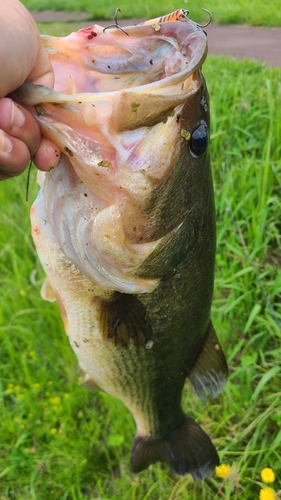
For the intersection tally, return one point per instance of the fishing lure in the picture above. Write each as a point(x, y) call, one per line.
point(177, 15)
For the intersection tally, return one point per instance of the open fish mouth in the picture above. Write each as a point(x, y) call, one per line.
point(136, 80)
point(116, 114)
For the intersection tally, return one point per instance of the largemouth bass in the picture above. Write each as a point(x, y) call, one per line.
point(125, 225)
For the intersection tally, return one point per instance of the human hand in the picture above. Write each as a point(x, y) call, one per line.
point(22, 57)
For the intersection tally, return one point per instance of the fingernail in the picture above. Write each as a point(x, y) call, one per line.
point(6, 145)
point(17, 116)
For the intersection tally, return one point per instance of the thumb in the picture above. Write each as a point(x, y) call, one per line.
point(42, 72)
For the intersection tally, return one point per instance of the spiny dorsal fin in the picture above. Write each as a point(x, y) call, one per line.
point(187, 450)
point(209, 372)
point(123, 319)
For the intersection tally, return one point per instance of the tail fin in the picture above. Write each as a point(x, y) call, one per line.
point(187, 450)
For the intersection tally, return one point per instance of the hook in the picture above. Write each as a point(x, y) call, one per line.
point(116, 25)
point(209, 22)
point(28, 181)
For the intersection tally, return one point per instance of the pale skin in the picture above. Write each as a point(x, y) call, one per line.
point(22, 57)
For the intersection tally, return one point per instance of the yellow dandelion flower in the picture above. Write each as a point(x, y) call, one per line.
point(53, 430)
point(32, 355)
point(23, 293)
point(223, 470)
point(17, 388)
point(10, 386)
point(22, 426)
point(50, 382)
point(267, 475)
point(267, 494)
point(36, 385)
point(9, 390)
point(20, 396)
point(16, 419)
point(56, 400)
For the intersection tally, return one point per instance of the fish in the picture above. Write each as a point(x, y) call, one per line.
point(125, 227)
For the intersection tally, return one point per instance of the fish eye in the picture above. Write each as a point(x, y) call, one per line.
point(199, 140)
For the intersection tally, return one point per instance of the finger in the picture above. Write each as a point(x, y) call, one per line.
point(47, 156)
point(14, 156)
point(19, 123)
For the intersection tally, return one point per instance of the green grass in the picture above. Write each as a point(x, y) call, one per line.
point(253, 12)
point(62, 442)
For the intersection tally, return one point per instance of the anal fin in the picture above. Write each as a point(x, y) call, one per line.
point(187, 450)
point(209, 372)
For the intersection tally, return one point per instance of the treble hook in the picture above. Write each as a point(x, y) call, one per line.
point(116, 25)
point(209, 22)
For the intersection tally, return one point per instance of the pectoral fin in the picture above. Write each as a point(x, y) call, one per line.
point(209, 372)
point(47, 292)
point(123, 319)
